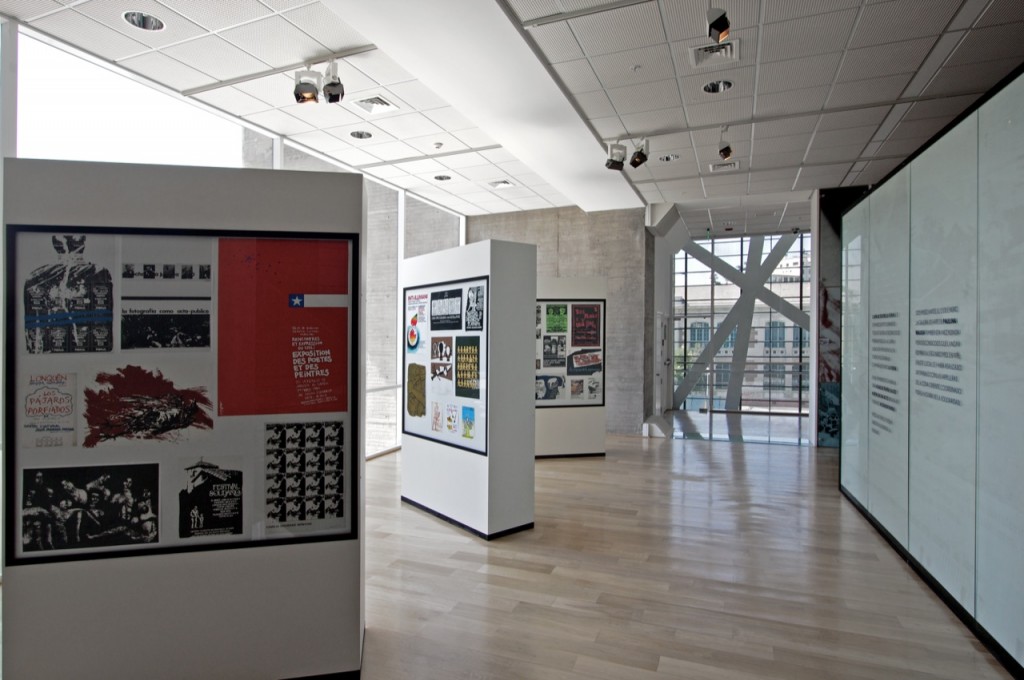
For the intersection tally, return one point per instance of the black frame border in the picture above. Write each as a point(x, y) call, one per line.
point(10, 368)
point(539, 403)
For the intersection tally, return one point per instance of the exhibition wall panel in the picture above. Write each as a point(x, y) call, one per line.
point(943, 313)
point(855, 375)
point(134, 615)
point(889, 249)
point(962, 370)
point(1000, 588)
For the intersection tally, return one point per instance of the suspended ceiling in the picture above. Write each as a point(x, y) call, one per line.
point(824, 93)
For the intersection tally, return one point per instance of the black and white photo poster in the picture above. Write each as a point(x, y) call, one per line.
point(305, 486)
point(210, 502)
point(446, 363)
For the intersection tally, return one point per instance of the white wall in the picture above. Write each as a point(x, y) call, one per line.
point(260, 612)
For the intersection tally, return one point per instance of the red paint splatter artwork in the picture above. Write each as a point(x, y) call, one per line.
point(135, 403)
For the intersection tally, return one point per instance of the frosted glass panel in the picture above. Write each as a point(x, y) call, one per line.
point(943, 314)
point(887, 344)
point(1001, 370)
point(854, 466)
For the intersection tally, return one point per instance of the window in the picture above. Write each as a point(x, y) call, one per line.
point(700, 333)
point(775, 335)
point(730, 341)
point(774, 376)
point(800, 376)
point(801, 338)
point(722, 372)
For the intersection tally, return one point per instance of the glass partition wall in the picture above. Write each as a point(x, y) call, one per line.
point(741, 340)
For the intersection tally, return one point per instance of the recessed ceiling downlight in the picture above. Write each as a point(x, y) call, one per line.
point(442, 178)
point(361, 134)
point(500, 184)
point(147, 22)
point(718, 86)
point(669, 157)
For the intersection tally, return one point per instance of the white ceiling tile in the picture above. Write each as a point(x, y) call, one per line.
point(833, 154)
point(517, 169)
point(871, 91)
point(782, 10)
point(428, 144)
point(326, 27)
point(626, 28)
point(233, 101)
point(806, 100)
point(772, 145)
point(886, 22)
point(970, 77)
point(533, 9)
point(745, 41)
point(1002, 12)
point(516, 193)
point(483, 173)
point(463, 160)
point(855, 118)
point(807, 36)
point(669, 141)
point(846, 136)
point(90, 35)
point(276, 42)
point(276, 90)
point(25, 10)
point(497, 206)
point(885, 60)
point(924, 127)
point(280, 5)
point(935, 108)
point(383, 171)
point(321, 141)
point(632, 67)
point(420, 166)
point(214, 16)
point(661, 170)
point(344, 133)
point(170, 72)
point(216, 56)
point(645, 97)
point(608, 128)
point(391, 151)
point(989, 44)
point(498, 155)
point(449, 119)
point(595, 104)
point(474, 138)
point(279, 122)
point(379, 67)
point(477, 196)
point(739, 134)
point(531, 179)
point(111, 13)
point(652, 122)
point(408, 125)
point(322, 115)
point(785, 127)
point(418, 95)
point(794, 74)
point(742, 80)
point(901, 147)
point(409, 182)
point(785, 159)
point(787, 175)
point(556, 42)
point(535, 203)
point(724, 112)
point(577, 75)
point(651, 193)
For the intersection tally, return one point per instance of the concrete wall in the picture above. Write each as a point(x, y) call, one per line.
point(382, 426)
point(428, 229)
point(614, 245)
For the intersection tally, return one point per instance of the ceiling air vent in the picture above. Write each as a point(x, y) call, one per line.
point(375, 104)
point(713, 55)
point(724, 167)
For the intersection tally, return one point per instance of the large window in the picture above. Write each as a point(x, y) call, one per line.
point(775, 335)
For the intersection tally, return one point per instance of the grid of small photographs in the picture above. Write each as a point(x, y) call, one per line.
point(569, 369)
point(305, 474)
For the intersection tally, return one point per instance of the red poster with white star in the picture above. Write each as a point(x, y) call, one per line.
point(283, 326)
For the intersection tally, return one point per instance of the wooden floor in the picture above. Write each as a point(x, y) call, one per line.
point(667, 559)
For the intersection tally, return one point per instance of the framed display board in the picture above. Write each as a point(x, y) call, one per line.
point(570, 353)
point(445, 392)
point(177, 390)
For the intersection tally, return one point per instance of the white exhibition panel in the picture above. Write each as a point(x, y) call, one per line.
point(1000, 588)
point(853, 473)
point(494, 492)
point(943, 320)
point(572, 430)
point(888, 346)
point(205, 613)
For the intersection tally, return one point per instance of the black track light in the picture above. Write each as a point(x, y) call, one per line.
point(718, 24)
point(616, 156)
point(334, 91)
point(640, 155)
point(307, 87)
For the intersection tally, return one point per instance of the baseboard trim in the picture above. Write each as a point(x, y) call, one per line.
point(464, 527)
point(572, 455)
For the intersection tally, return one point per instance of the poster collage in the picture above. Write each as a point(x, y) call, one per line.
point(570, 353)
point(446, 363)
point(176, 389)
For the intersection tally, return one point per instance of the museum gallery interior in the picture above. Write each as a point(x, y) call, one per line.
point(279, 276)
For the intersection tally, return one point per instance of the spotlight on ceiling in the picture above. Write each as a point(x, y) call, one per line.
point(334, 91)
point(724, 147)
point(616, 156)
point(718, 24)
point(307, 87)
point(640, 155)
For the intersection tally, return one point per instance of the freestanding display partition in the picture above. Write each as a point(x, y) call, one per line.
point(183, 463)
point(468, 416)
point(570, 366)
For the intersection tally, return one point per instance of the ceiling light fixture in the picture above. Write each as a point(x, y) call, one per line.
point(333, 89)
point(639, 156)
point(718, 86)
point(616, 156)
point(361, 134)
point(669, 157)
point(307, 86)
point(718, 24)
point(500, 184)
point(724, 147)
point(442, 178)
point(146, 22)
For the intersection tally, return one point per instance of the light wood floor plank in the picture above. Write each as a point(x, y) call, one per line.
point(665, 559)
